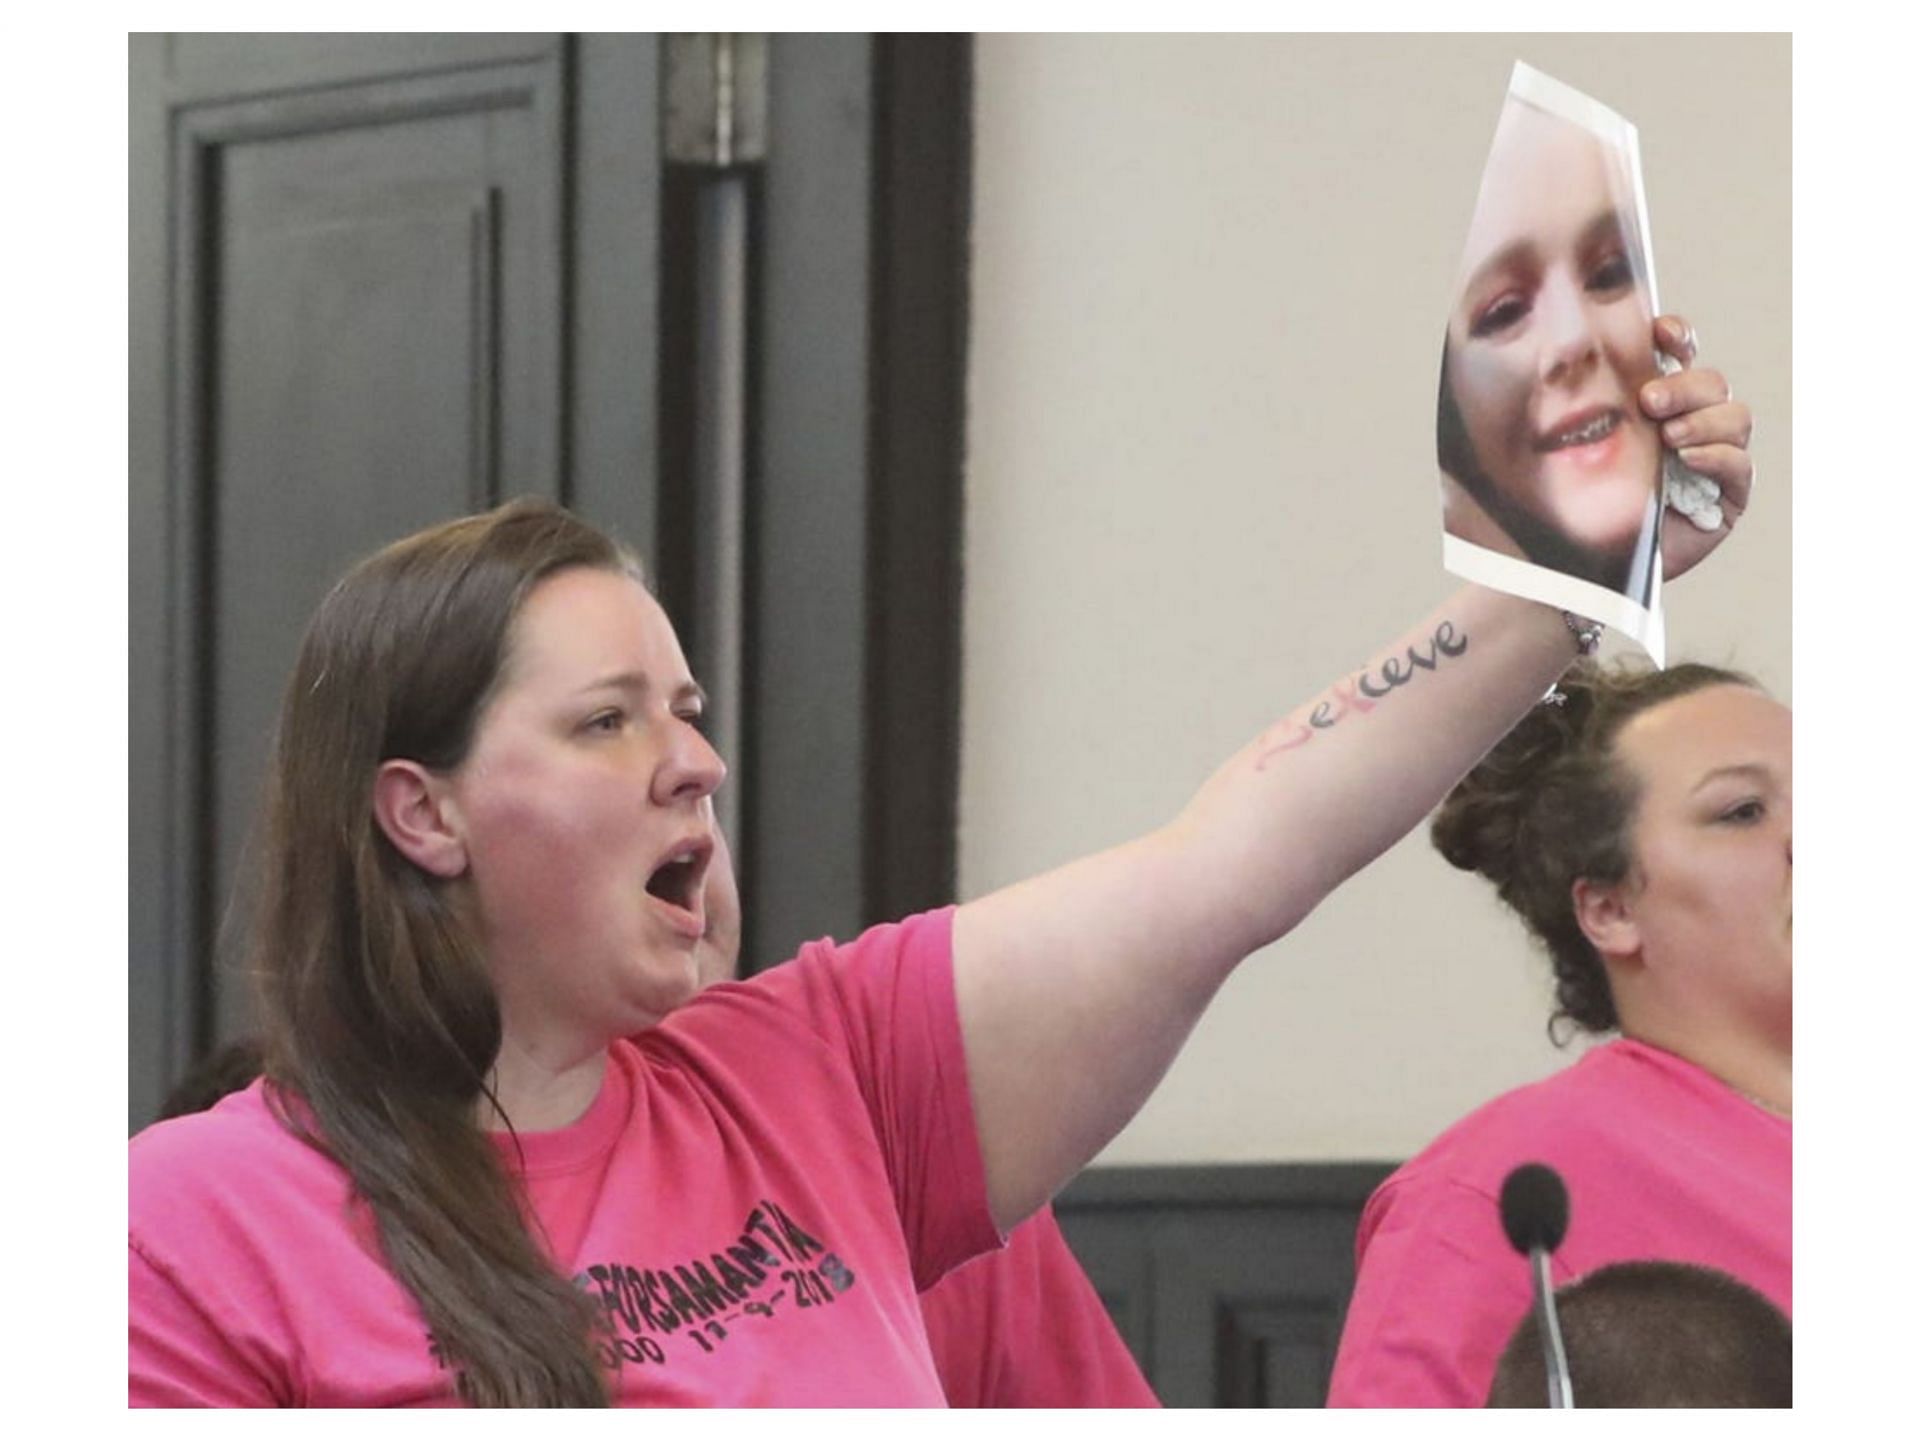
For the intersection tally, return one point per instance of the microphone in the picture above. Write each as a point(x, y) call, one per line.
point(1533, 1212)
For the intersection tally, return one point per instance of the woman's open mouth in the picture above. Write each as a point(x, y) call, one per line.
point(678, 885)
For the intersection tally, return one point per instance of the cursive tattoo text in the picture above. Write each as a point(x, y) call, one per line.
point(1360, 694)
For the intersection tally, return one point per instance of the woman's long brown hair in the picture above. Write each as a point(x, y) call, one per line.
point(380, 1016)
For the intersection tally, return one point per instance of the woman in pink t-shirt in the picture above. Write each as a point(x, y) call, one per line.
point(1020, 1327)
point(1640, 822)
point(480, 896)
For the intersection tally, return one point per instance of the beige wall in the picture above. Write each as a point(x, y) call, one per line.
point(1210, 275)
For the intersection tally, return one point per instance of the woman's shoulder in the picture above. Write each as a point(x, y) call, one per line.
point(221, 1162)
point(881, 951)
point(829, 984)
point(1570, 1113)
point(240, 1123)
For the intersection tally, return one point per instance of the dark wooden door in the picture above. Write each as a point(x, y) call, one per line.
point(1229, 1283)
point(377, 281)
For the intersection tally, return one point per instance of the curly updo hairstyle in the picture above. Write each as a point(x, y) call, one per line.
point(1552, 804)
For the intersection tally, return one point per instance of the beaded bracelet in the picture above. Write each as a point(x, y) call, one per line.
point(1586, 633)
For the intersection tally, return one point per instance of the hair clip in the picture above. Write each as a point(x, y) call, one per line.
point(1554, 696)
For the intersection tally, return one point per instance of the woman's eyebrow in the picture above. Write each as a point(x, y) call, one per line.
point(639, 683)
point(1752, 770)
point(634, 680)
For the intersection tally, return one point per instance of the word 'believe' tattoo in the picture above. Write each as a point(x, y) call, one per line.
point(1364, 691)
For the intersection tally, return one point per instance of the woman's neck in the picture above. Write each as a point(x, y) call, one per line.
point(540, 1091)
point(1760, 1072)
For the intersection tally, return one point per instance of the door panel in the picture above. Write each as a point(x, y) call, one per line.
point(378, 305)
point(377, 281)
point(362, 252)
point(1229, 1283)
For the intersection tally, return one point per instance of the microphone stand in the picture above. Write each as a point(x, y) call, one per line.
point(1559, 1379)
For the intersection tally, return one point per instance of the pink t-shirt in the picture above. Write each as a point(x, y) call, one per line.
point(762, 1186)
point(1024, 1328)
point(1662, 1162)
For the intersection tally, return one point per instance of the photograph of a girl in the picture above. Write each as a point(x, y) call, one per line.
point(1545, 455)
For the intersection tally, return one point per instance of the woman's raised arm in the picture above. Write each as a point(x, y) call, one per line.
point(1077, 988)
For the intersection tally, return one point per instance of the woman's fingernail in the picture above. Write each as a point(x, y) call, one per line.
point(1678, 432)
point(1656, 398)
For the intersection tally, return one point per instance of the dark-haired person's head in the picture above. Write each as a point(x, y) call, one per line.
point(233, 1066)
point(1655, 1334)
point(1642, 828)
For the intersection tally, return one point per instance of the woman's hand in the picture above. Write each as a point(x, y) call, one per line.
point(1709, 429)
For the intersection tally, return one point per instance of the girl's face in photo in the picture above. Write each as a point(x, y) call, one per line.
point(1553, 337)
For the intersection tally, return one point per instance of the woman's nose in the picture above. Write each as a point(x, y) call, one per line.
point(692, 769)
point(1568, 343)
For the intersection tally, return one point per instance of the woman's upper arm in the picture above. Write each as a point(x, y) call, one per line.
point(176, 1354)
point(1076, 989)
point(1075, 992)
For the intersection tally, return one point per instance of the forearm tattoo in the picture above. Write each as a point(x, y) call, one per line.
point(1361, 693)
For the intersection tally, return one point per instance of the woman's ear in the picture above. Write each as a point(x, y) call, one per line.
point(1605, 915)
point(413, 808)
